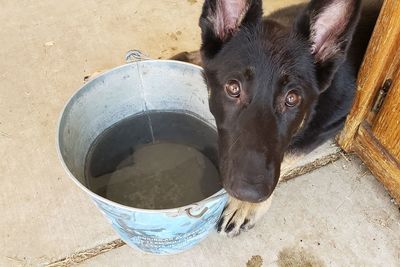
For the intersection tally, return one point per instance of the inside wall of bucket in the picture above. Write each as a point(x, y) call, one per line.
point(170, 164)
point(178, 87)
point(125, 91)
point(99, 104)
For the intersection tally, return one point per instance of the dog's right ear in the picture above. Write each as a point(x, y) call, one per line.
point(221, 19)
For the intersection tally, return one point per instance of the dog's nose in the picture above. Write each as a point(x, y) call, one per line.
point(254, 193)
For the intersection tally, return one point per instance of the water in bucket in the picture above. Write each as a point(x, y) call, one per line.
point(157, 160)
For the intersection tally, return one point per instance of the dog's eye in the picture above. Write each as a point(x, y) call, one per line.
point(233, 88)
point(292, 99)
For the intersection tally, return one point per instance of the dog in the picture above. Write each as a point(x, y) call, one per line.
point(279, 87)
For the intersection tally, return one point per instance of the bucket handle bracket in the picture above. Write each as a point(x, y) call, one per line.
point(135, 55)
point(196, 216)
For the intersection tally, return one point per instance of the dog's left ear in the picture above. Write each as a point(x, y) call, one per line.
point(329, 26)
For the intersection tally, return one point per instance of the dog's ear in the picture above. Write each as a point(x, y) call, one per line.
point(329, 26)
point(221, 19)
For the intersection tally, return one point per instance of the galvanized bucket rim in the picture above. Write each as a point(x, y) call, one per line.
point(221, 193)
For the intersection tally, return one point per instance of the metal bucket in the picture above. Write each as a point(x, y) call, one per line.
point(127, 90)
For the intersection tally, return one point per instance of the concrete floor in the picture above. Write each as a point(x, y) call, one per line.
point(47, 48)
point(338, 215)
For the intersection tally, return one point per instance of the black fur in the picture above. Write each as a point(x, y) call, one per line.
point(270, 58)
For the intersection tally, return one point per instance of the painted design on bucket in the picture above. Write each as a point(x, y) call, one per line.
point(159, 232)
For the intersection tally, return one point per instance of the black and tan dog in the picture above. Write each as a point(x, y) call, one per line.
point(279, 87)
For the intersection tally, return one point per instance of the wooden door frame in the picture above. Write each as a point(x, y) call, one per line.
point(383, 50)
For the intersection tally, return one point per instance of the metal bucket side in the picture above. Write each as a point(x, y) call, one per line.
point(160, 233)
point(155, 231)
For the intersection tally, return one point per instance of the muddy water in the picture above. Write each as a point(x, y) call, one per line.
point(168, 165)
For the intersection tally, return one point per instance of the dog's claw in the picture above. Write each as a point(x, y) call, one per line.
point(230, 227)
point(240, 216)
point(220, 223)
point(244, 224)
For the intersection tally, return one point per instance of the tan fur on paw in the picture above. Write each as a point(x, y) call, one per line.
point(241, 216)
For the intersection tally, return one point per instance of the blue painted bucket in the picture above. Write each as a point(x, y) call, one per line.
point(136, 88)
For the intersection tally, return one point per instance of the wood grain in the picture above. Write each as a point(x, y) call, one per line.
point(381, 51)
point(379, 161)
point(376, 137)
point(386, 127)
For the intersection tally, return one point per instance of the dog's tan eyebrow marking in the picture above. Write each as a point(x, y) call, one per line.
point(249, 73)
point(284, 79)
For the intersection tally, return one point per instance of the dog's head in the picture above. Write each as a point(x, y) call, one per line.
point(264, 80)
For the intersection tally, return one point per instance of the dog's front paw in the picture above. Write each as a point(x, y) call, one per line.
point(241, 216)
